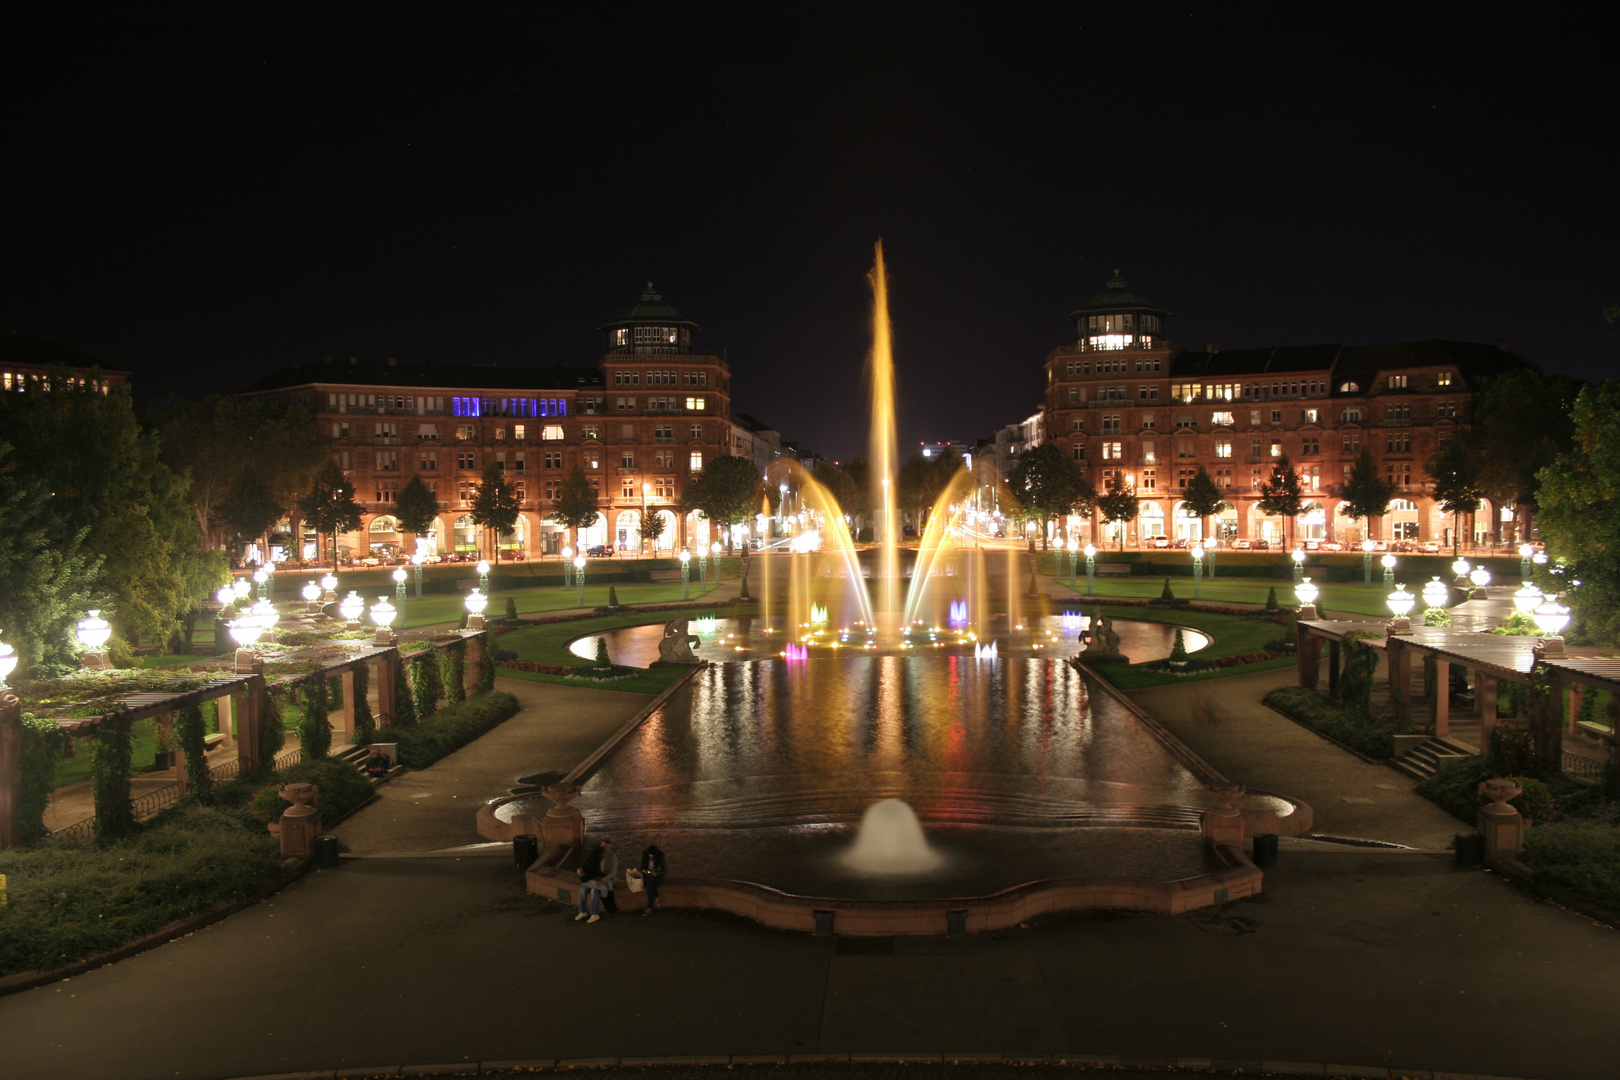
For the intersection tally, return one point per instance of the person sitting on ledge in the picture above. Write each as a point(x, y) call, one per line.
point(378, 764)
point(596, 878)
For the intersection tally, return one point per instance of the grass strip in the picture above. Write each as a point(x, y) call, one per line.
point(1373, 735)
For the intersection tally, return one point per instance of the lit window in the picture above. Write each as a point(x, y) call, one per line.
point(1221, 418)
point(1397, 382)
point(1223, 448)
point(695, 462)
point(696, 404)
point(1112, 451)
point(1443, 379)
point(1307, 416)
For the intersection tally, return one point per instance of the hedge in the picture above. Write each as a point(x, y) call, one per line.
point(1373, 735)
point(451, 728)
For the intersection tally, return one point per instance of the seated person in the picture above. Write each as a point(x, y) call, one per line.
point(378, 764)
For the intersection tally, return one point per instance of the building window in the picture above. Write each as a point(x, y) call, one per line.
point(589, 431)
point(1276, 416)
point(627, 489)
point(1351, 414)
point(1149, 421)
point(664, 433)
point(1446, 410)
point(1221, 418)
point(387, 460)
point(1186, 448)
point(1397, 415)
point(1223, 448)
point(1150, 454)
point(1311, 446)
point(1443, 379)
point(697, 431)
point(467, 432)
point(1254, 449)
point(553, 459)
point(1112, 451)
point(466, 459)
point(696, 404)
point(1307, 416)
point(518, 464)
point(663, 459)
point(627, 459)
point(1254, 417)
point(1074, 395)
point(664, 487)
point(429, 462)
point(1398, 442)
point(694, 463)
point(1276, 449)
point(467, 491)
point(1397, 382)
point(697, 378)
point(1077, 424)
point(1186, 420)
point(340, 431)
point(1147, 392)
point(1080, 452)
point(1149, 482)
point(1110, 425)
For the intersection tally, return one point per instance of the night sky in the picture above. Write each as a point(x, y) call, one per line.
point(202, 195)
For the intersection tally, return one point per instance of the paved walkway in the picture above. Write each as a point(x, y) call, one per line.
point(1386, 959)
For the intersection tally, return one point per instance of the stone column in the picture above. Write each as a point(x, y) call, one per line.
point(1398, 664)
point(1485, 699)
point(10, 766)
point(1307, 655)
point(1500, 824)
point(250, 722)
point(347, 731)
point(564, 825)
point(1333, 670)
point(1577, 693)
point(476, 644)
point(1442, 698)
point(384, 674)
point(227, 718)
point(1222, 824)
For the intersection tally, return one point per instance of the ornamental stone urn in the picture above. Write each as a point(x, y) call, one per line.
point(563, 825)
point(1222, 824)
point(1501, 825)
point(301, 821)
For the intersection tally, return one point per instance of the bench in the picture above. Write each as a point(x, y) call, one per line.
point(213, 742)
point(1118, 568)
point(665, 576)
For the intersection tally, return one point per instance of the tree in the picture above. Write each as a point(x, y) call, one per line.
point(329, 505)
point(652, 527)
point(1455, 473)
point(1280, 495)
point(1366, 492)
point(251, 509)
point(496, 505)
point(575, 506)
point(416, 507)
point(922, 480)
point(725, 492)
point(1118, 503)
point(1522, 422)
point(1579, 498)
point(1049, 484)
point(839, 484)
point(1203, 499)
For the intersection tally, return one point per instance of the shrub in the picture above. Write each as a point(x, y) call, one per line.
point(43, 744)
point(486, 668)
point(365, 725)
point(613, 596)
point(1167, 593)
point(511, 608)
point(1271, 600)
point(272, 732)
point(120, 654)
point(501, 656)
point(1581, 856)
point(1360, 664)
point(1373, 735)
point(342, 788)
point(602, 653)
point(453, 671)
point(425, 692)
point(1437, 617)
point(1518, 624)
point(404, 707)
point(267, 804)
point(1455, 785)
point(314, 732)
point(452, 727)
point(189, 730)
point(1178, 652)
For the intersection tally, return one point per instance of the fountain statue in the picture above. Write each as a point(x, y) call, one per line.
point(1104, 644)
point(891, 841)
point(678, 643)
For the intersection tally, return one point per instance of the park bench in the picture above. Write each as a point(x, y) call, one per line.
point(664, 576)
point(1119, 568)
point(213, 742)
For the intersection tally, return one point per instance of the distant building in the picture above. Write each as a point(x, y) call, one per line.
point(1124, 400)
point(25, 363)
point(641, 424)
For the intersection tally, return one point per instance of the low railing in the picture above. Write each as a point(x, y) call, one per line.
point(1581, 767)
point(157, 799)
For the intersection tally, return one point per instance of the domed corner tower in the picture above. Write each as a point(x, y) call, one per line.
point(649, 326)
point(1119, 318)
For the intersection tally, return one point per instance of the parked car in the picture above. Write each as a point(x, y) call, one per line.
point(1262, 545)
point(1180, 543)
point(512, 555)
point(601, 551)
point(1242, 544)
point(1161, 541)
point(1430, 547)
point(1332, 545)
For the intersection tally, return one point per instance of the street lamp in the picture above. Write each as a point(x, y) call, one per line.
point(1400, 605)
point(1367, 547)
point(781, 509)
point(579, 577)
point(262, 576)
point(312, 594)
point(1091, 570)
point(475, 603)
point(329, 587)
point(416, 562)
point(1306, 593)
point(646, 489)
point(1551, 618)
point(1481, 577)
point(1435, 595)
point(1461, 568)
point(1527, 598)
point(686, 573)
point(382, 613)
point(399, 584)
point(8, 663)
point(1388, 562)
point(93, 634)
point(1526, 553)
point(241, 587)
point(1074, 559)
point(1298, 555)
point(483, 574)
point(351, 609)
point(568, 566)
point(1198, 571)
point(245, 631)
point(714, 565)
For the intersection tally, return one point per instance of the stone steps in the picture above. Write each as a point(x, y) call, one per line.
point(1422, 761)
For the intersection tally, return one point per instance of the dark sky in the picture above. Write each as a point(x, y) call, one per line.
point(201, 195)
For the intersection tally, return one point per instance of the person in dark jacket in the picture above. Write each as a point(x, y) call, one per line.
point(595, 879)
point(652, 873)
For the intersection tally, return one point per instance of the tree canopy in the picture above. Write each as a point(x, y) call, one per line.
point(495, 506)
point(1455, 472)
point(329, 505)
point(47, 581)
point(1579, 500)
point(923, 479)
point(1366, 491)
point(1522, 423)
point(726, 492)
point(1203, 498)
point(1118, 503)
point(1280, 494)
point(575, 505)
point(416, 507)
point(1048, 484)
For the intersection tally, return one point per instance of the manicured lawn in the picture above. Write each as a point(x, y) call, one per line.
point(439, 608)
point(1230, 635)
point(549, 645)
point(1338, 597)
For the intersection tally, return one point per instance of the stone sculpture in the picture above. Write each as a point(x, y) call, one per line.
point(1104, 644)
point(678, 643)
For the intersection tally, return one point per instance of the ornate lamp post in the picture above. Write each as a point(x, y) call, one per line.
point(714, 565)
point(1091, 570)
point(686, 573)
point(1551, 618)
point(1400, 605)
point(226, 596)
point(382, 613)
point(1435, 595)
point(268, 615)
point(1298, 555)
point(351, 609)
point(1074, 559)
point(241, 587)
point(1210, 545)
point(93, 634)
point(568, 566)
point(329, 588)
point(262, 577)
point(1388, 563)
point(1527, 598)
point(1461, 568)
point(1481, 577)
point(245, 631)
point(312, 594)
point(399, 577)
point(1526, 553)
point(1198, 571)
point(416, 563)
point(483, 575)
point(1367, 547)
point(579, 577)
point(475, 604)
point(1306, 593)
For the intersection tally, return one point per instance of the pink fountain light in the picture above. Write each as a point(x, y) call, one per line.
point(796, 651)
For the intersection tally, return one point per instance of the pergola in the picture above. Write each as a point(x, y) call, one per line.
point(1492, 658)
point(242, 706)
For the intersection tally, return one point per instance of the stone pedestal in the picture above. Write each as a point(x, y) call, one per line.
point(1222, 824)
point(301, 821)
point(1501, 825)
point(563, 825)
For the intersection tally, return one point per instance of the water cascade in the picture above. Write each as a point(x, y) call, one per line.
point(984, 652)
point(795, 650)
point(959, 614)
point(891, 841)
point(884, 450)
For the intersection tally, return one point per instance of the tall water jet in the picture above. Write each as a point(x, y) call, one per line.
point(891, 841)
point(880, 366)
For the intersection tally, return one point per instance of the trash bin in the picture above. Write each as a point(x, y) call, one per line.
point(824, 923)
point(525, 850)
point(956, 922)
point(326, 851)
point(1265, 849)
point(1469, 848)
